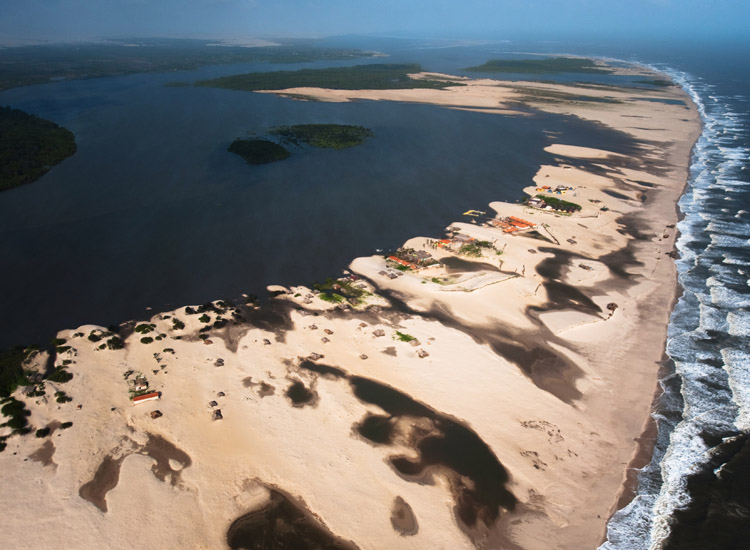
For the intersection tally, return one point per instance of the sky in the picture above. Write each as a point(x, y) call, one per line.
point(58, 20)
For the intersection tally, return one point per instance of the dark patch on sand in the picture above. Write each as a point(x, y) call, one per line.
point(442, 444)
point(247, 382)
point(325, 370)
point(275, 316)
point(107, 475)
point(283, 523)
point(266, 390)
point(105, 479)
point(616, 195)
point(162, 451)
point(562, 296)
point(44, 454)
point(376, 428)
point(455, 264)
point(521, 348)
point(391, 350)
point(300, 395)
point(403, 519)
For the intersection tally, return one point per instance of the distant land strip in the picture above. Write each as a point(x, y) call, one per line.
point(29, 65)
point(550, 65)
point(375, 76)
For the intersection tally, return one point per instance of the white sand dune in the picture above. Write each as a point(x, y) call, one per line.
point(509, 357)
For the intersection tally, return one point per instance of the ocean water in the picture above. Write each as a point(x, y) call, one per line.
point(695, 493)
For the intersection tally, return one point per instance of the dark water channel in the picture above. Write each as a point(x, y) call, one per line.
point(153, 212)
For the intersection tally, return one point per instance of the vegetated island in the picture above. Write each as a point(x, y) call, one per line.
point(30, 146)
point(377, 76)
point(326, 136)
point(550, 65)
point(258, 151)
point(28, 65)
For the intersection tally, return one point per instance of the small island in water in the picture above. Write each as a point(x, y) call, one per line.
point(324, 136)
point(258, 151)
point(30, 146)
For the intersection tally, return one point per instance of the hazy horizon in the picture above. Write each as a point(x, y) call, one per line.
point(76, 20)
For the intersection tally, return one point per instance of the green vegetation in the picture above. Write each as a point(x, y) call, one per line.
point(358, 77)
point(60, 375)
point(258, 151)
point(144, 328)
point(471, 249)
point(17, 413)
point(62, 397)
point(329, 136)
point(146, 340)
point(57, 341)
point(403, 337)
point(559, 204)
point(42, 432)
point(11, 369)
point(550, 65)
point(204, 318)
point(115, 343)
point(27, 65)
point(177, 324)
point(65, 425)
point(30, 146)
point(331, 297)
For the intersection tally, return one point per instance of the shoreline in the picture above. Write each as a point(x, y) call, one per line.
point(526, 320)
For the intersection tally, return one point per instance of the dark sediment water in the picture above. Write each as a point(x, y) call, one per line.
point(153, 212)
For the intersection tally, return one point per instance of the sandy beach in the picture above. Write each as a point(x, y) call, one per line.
point(492, 396)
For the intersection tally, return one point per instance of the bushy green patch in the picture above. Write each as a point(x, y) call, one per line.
point(204, 318)
point(60, 375)
point(559, 204)
point(331, 297)
point(146, 340)
point(403, 337)
point(95, 336)
point(42, 432)
point(471, 249)
point(329, 136)
point(57, 341)
point(189, 311)
point(258, 151)
point(144, 328)
point(115, 343)
point(17, 414)
point(177, 324)
point(62, 397)
point(65, 425)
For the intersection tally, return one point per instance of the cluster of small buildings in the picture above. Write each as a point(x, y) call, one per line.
point(412, 259)
point(559, 190)
point(512, 224)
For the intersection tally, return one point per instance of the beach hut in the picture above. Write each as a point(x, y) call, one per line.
point(153, 396)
